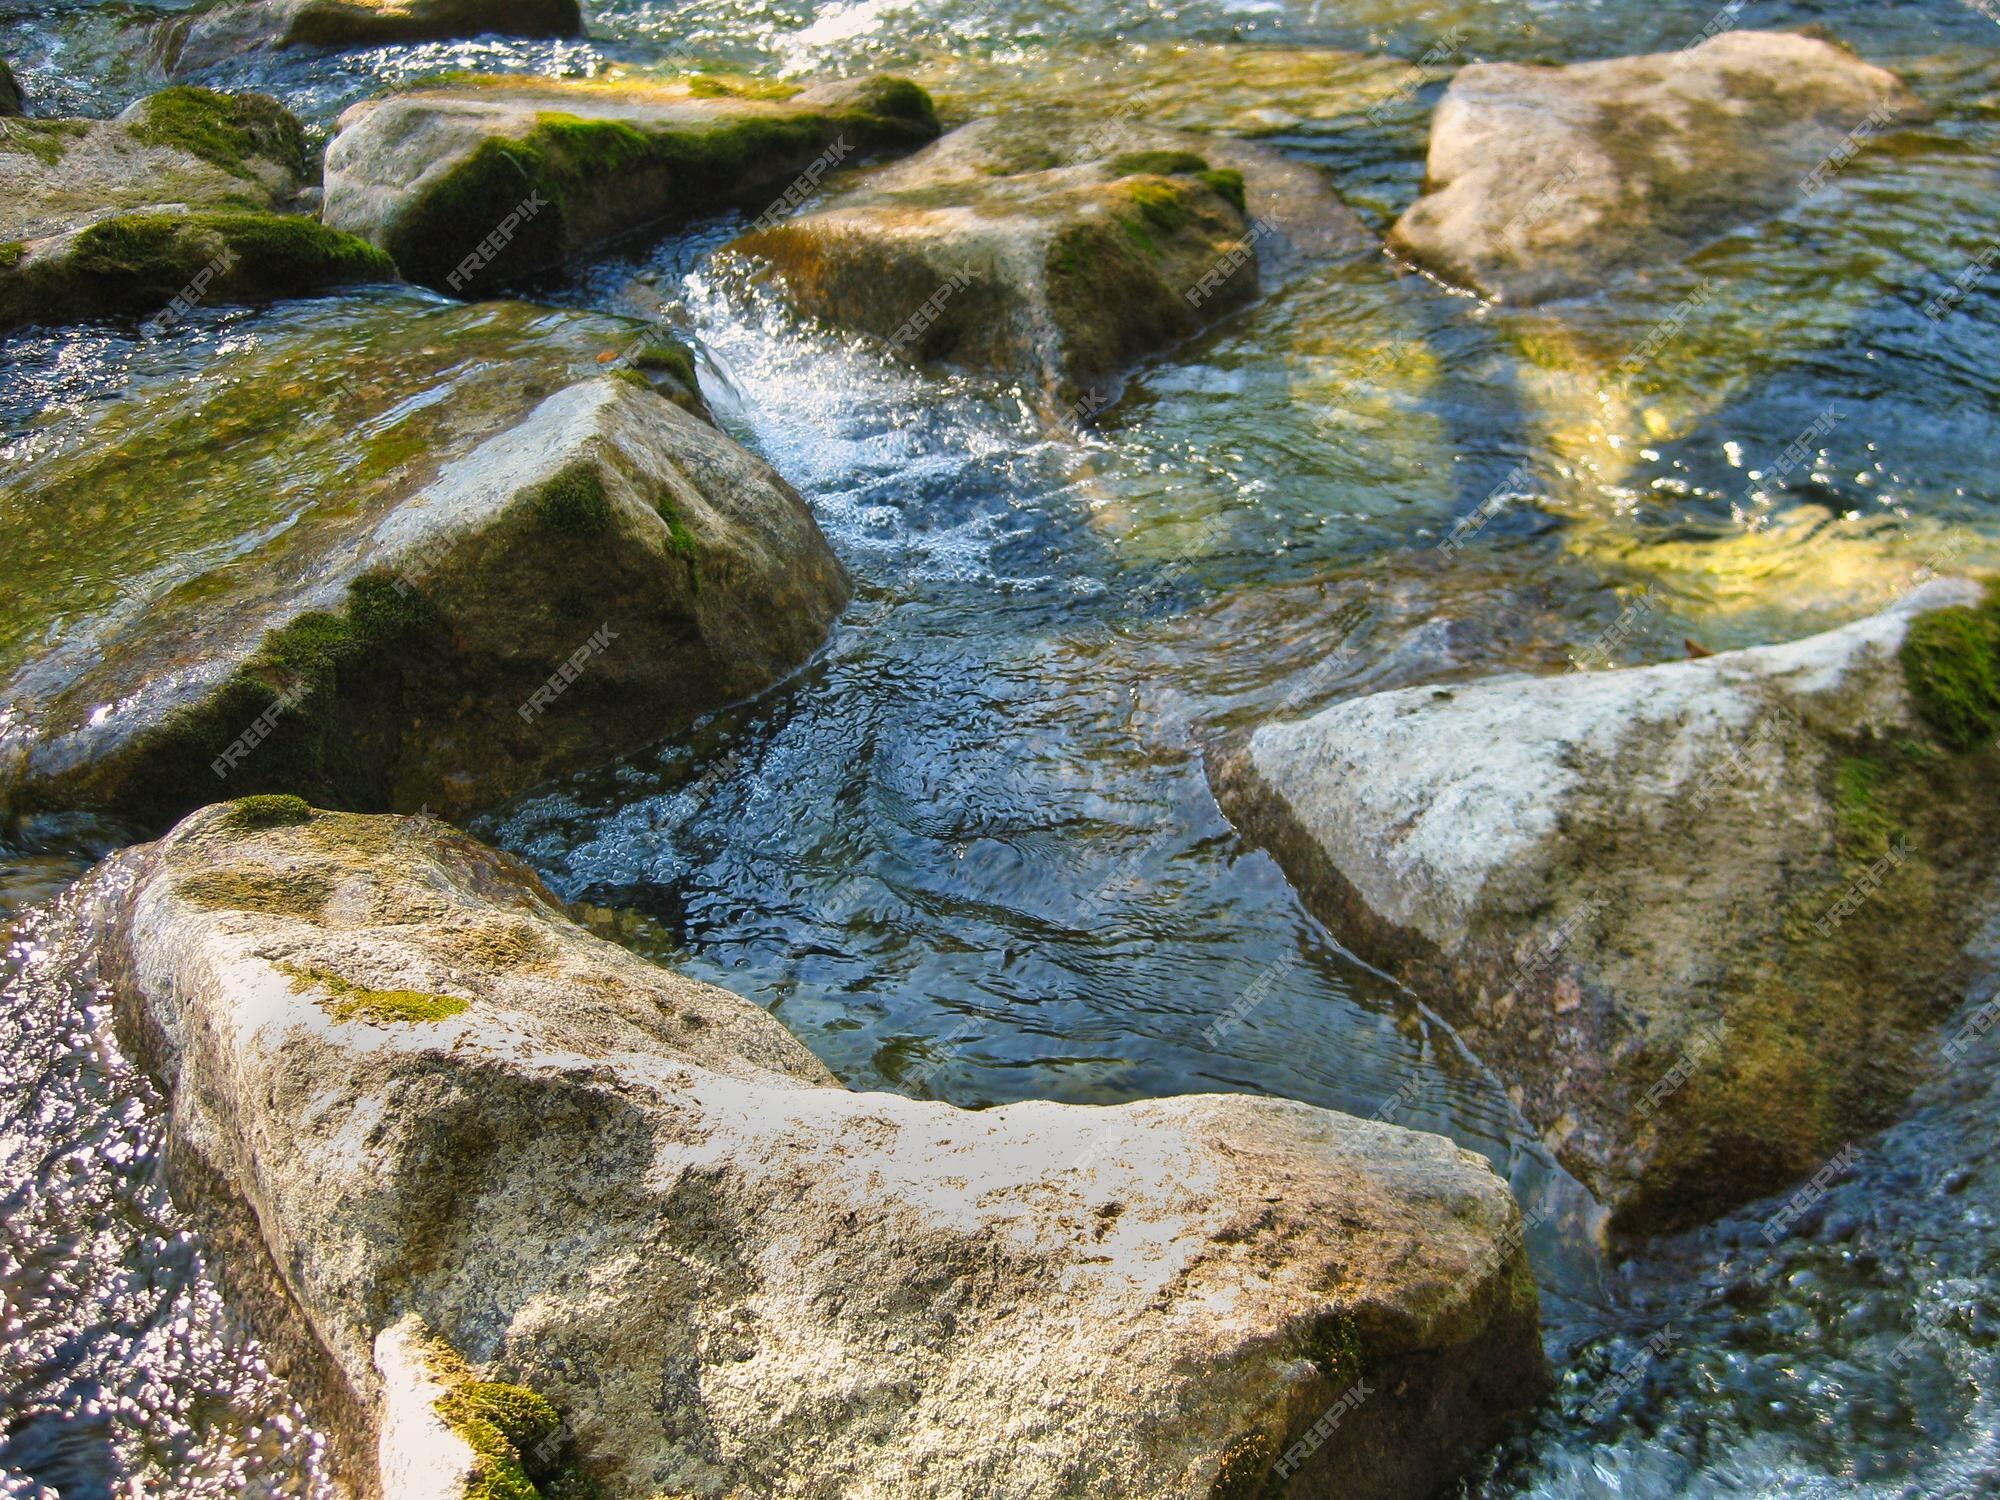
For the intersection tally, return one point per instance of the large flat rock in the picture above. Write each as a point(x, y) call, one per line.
point(1700, 917)
point(1550, 181)
point(414, 554)
point(1055, 246)
point(183, 196)
point(448, 1137)
point(479, 183)
point(210, 33)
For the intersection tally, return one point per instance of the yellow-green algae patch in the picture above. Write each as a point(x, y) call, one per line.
point(348, 1001)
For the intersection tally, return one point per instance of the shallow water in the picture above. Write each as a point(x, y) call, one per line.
point(969, 853)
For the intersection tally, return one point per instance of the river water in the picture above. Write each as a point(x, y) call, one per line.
point(969, 852)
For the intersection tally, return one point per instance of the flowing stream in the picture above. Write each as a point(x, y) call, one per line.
point(969, 852)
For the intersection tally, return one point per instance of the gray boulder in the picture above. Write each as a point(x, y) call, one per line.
point(210, 33)
point(530, 1208)
point(1700, 917)
point(1550, 181)
point(1053, 245)
point(465, 597)
point(471, 186)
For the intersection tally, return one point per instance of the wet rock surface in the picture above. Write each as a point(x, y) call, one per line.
point(1549, 182)
point(420, 637)
point(1055, 246)
point(637, 1198)
point(215, 32)
point(471, 186)
point(1700, 917)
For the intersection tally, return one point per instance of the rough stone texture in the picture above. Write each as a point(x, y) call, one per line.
point(1055, 246)
point(639, 1197)
point(210, 34)
point(1548, 181)
point(431, 174)
point(1629, 890)
point(11, 100)
point(391, 637)
point(179, 197)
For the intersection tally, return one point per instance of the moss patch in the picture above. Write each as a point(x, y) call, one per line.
point(1951, 661)
point(1158, 163)
point(671, 358)
point(1227, 184)
point(225, 130)
point(139, 263)
point(42, 139)
point(270, 810)
point(352, 1002)
point(589, 175)
point(574, 502)
point(517, 1437)
point(267, 892)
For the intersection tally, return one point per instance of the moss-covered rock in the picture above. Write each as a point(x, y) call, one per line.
point(12, 101)
point(380, 606)
point(474, 185)
point(1054, 245)
point(1549, 181)
point(210, 33)
point(655, 1247)
point(164, 263)
point(180, 197)
point(1701, 917)
point(186, 147)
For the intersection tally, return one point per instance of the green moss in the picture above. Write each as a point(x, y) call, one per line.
point(1335, 1350)
point(1866, 829)
point(574, 501)
point(634, 378)
point(42, 139)
point(139, 263)
point(1163, 203)
point(226, 130)
point(900, 99)
point(1951, 661)
point(328, 686)
point(1158, 164)
point(11, 254)
point(270, 892)
point(567, 160)
point(352, 1002)
point(516, 1435)
point(674, 359)
point(1227, 183)
point(270, 810)
point(710, 88)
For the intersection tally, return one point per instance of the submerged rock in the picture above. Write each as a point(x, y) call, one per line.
point(1700, 917)
point(425, 603)
point(1059, 247)
point(1549, 181)
point(177, 198)
point(530, 1206)
point(479, 183)
point(210, 33)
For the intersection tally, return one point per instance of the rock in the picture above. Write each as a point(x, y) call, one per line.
point(1700, 917)
point(1058, 247)
point(437, 609)
point(12, 102)
point(175, 198)
point(474, 185)
point(599, 1216)
point(1549, 181)
point(210, 34)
